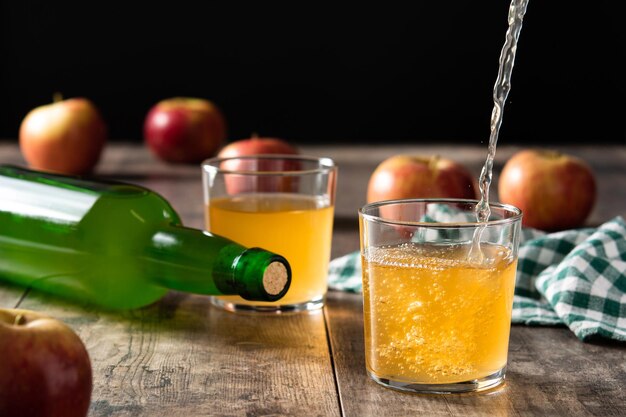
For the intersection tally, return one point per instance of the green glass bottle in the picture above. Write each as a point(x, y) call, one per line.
point(119, 245)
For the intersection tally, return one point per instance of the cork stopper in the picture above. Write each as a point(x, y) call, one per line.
point(275, 278)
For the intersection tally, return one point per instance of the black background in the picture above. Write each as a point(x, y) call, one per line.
point(325, 73)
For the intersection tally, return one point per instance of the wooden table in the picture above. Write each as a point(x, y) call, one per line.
point(181, 357)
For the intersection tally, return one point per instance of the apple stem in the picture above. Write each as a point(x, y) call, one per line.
point(19, 320)
point(254, 135)
point(56, 97)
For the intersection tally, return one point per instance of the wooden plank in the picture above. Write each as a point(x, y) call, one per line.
point(550, 369)
point(550, 373)
point(182, 357)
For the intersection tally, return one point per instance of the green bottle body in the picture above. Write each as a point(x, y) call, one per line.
point(112, 244)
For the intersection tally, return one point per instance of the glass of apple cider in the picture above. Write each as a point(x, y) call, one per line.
point(437, 293)
point(282, 203)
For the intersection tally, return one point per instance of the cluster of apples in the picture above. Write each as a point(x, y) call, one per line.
point(176, 130)
point(554, 191)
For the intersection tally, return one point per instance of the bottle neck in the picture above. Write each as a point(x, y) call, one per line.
point(192, 260)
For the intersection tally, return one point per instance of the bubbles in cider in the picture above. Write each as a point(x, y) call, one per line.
point(432, 316)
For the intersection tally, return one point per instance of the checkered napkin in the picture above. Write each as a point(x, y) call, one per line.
point(575, 277)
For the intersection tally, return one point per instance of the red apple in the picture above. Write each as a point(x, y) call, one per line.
point(184, 130)
point(405, 176)
point(45, 370)
point(553, 190)
point(259, 146)
point(65, 137)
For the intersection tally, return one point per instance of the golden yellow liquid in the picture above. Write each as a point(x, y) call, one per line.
point(296, 227)
point(432, 317)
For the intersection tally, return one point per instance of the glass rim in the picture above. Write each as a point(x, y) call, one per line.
point(517, 213)
point(325, 164)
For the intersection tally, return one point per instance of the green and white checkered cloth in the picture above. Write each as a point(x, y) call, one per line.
point(575, 277)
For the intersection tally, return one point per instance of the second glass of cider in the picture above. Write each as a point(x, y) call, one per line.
point(283, 203)
point(438, 293)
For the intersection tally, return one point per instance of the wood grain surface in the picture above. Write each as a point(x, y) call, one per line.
point(182, 357)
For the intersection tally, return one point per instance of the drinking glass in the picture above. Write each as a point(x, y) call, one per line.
point(282, 203)
point(437, 293)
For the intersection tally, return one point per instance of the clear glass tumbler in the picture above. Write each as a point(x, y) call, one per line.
point(437, 293)
point(281, 203)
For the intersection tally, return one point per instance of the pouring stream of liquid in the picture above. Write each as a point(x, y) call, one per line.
point(501, 89)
